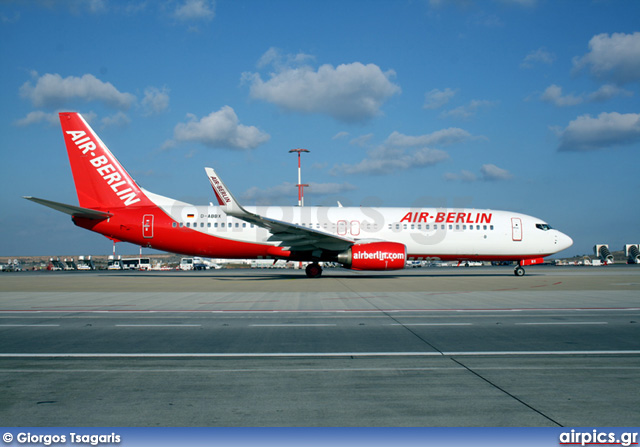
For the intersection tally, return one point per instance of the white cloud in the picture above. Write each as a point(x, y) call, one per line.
point(541, 55)
point(488, 173)
point(155, 100)
point(219, 129)
point(53, 91)
point(463, 176)
point(614, 58)
point(288, 192)
point(362, 140)
point(444, 137)
point(468, 110)
point(340, 135)
point(280, 61)
point(607, 92)
point(553, 95)
point(349, 92)
point(586, 133)
point(437, 98)
point(38, 116)
point(384, 161)
point(400, 152)
point(120, 119)
point(491, 172)
point(195, 10)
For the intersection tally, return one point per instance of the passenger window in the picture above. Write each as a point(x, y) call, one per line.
point(174, 224)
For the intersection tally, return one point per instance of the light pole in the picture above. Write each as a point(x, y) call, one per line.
point(300, 185)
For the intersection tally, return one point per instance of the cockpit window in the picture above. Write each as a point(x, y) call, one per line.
point(543, 227)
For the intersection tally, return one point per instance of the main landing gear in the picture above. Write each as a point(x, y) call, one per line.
point(313, 270)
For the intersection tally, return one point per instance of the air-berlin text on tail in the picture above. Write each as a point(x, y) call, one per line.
point(450, 217)
point(218, 188)
point(105, 169)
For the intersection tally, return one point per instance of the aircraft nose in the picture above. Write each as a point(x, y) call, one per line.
point(564, 241)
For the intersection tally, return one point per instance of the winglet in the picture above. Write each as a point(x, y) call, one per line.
point(225, 199)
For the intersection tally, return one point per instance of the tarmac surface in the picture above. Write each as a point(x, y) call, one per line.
point(422, 347)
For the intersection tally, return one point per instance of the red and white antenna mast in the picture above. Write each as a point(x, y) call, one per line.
point(300, 185)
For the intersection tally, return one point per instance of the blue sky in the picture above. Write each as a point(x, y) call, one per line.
point(524, 105)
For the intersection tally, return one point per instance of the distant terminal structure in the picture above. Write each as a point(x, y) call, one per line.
point(602, 251)
point(631, 252)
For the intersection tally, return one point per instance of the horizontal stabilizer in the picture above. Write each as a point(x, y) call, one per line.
point(72, 210)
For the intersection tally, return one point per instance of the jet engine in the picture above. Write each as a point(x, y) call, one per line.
point(374, 256)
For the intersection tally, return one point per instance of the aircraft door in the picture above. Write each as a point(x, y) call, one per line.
point(342, 227)
point(516, 228)
point(355, 228)
point(147, 226)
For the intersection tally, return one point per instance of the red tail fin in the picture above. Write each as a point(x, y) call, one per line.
point(101, 181)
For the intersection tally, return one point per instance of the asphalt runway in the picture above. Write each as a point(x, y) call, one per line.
point(422, 347)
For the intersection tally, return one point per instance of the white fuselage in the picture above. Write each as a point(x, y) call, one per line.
point(428, 233)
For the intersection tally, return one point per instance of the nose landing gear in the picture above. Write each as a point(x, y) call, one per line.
point(519, 270)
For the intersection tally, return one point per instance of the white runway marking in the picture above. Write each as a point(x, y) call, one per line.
point(314, 354)
point(29, 325)
point(432, 324)
point(291, 325)
point(158, 325)
point(561, 323)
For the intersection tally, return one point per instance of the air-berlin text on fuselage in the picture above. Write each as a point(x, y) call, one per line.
point(106, 170)
point(450, 217)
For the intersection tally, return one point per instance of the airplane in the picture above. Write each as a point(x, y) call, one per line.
point(111, 203)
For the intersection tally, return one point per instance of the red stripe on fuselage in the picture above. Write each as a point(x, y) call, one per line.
point(126, 225)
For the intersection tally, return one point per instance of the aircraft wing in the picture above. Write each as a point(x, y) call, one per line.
point(291, 236)
point(72, 210)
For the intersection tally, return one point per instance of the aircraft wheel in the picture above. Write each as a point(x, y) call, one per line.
point(519, 271)
point(313, 270)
